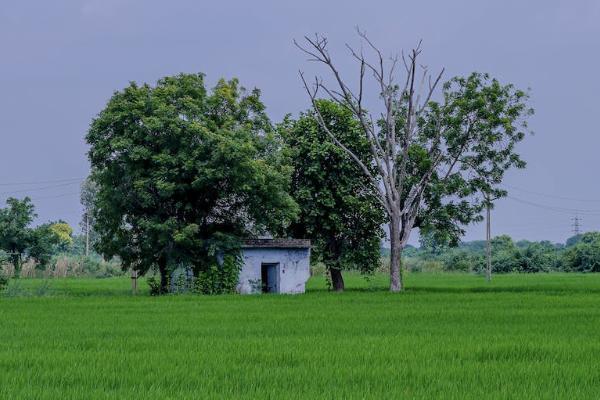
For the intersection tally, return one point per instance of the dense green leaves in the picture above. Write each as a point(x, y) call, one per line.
point(580, 253)
point(19, 241)
point(48, 240)
point(15, 233)
point(475, 130)
point(179, 167)
point(584, 255)
point(338, 209)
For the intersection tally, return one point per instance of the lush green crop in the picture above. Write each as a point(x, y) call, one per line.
point(448, 336)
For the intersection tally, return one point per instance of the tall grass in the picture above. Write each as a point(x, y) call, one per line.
point(449, 336)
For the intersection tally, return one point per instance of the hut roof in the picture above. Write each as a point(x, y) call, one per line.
point(276, 243)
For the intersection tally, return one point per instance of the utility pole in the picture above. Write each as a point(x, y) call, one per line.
point(488, 237)
point(87, 234)
point(576, 225)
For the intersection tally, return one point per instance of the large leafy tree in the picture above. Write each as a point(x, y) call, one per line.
point(339, 212)
point(584, 254)
point(181, 172)
point(21, 241)
point(49, 239)
point(15, 233)
point(431, 159)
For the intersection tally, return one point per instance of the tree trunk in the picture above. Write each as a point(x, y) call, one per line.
point(337, 280)
point(164, 275)
point(18, 264)
point(395, 255)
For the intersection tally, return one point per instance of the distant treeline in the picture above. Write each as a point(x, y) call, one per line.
point(580, 253)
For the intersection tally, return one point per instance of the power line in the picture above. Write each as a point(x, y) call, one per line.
point(552, 196)
point(39, 188)
point(40, 182)
point(55, 196)
point(565, 210)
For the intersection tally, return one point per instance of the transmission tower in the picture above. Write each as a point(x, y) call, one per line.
point(576, 225)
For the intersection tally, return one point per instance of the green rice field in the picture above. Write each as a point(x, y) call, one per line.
point(449, 336)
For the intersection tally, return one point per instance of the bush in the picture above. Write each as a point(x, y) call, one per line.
point(220, 278)
point(154, 284)
point(538, 258)
point(65, 265)
point(3, 282)
point(582, 257)
point(458, 260)
point(422, 265)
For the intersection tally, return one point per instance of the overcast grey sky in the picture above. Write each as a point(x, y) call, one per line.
point(61, 60)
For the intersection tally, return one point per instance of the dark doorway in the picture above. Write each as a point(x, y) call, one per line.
point(269, 276)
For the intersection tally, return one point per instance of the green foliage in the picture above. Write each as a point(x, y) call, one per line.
point(4, 257)
point(15, 233)
point(43, 241)
point(482, 122)
point(20, 241)
point(154, 285)
point(3, 281)
point(539, 257)
point(458, 259)
point(48, 240)
point(432, 243)
point(581, 254)
point(573, 240)
point(584, 255)
point(63, 234)
point(181, 170)
point(66, 265)
point(220, 277)
point(338, 209)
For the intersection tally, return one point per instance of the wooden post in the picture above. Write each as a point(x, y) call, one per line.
point(134, 277)
point(87, 233)
point(488, 247)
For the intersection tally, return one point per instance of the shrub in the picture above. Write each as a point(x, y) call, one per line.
point(582, 257)
point(154, 284)
point(3, 282)
point(458, 260)
point(64, 265)
point(220, 277)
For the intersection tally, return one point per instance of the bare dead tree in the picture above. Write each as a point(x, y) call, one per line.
point(390, 141)
point(470, 136)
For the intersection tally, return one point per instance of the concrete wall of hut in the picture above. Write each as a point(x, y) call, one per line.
point(294, 269)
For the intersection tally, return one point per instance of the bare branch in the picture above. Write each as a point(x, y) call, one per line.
point(375, 183)
point(389, 143)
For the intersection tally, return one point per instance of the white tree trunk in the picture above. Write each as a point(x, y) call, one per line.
point(396, 284)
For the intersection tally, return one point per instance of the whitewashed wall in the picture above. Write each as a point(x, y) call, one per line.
point(294, 269)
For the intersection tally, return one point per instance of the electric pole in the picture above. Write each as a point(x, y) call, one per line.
point(488, 245)
point(87, 234)
point(576, 225)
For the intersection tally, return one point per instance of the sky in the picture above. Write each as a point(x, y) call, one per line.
point(61, 61)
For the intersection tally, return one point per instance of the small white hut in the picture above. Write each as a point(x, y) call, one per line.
point(274, 266)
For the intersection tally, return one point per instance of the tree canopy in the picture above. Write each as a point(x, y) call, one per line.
point(182, 172)
point(430, 158)
point(15, 233)
point(338, 210)
point(22, 241)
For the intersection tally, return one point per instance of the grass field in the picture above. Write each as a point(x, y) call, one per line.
point(448, 336)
